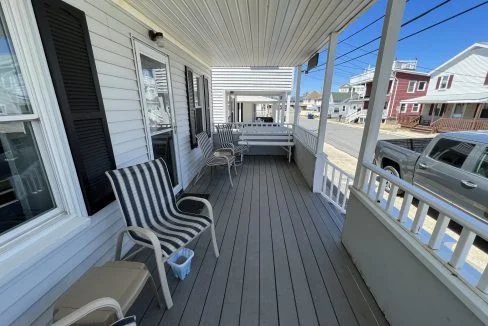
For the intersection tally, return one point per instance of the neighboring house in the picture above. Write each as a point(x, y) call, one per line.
point(457, 95)
point(405, 83)
point(311, 101)
point(228, 82)
point(338, 104)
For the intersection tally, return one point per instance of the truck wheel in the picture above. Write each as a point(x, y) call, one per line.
point(392, 170)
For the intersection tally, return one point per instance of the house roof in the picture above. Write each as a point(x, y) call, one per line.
point(247, 33)
point(460, 54)
point(338, 97)
point(451, 98)
point(313, 95)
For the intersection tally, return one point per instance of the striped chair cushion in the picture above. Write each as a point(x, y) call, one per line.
point(146, 198)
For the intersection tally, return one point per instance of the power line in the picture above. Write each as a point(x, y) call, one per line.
point(403, 25)
point(421, 30)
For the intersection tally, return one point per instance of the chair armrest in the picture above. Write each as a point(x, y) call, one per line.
point(202, 200)
point(144, 233)
point(231, 150)
point(89, 308)
point(227, 145)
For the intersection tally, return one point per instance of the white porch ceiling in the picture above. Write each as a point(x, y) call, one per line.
point(252, 32)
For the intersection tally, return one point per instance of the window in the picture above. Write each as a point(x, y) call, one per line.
point(443, 82)
point(25, 192)
point(422, 85)
point(416, 107)
point(343, 108)
point(336, 109)
point(481, 167)
point(411, 86)
point(452, 152)
point(403, 107)
point(458, 111)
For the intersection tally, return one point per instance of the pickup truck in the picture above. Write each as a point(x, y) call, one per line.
point(452, 166)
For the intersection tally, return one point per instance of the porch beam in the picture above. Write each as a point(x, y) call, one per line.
point(297, 95)
point(324, 107)
point(389, 38)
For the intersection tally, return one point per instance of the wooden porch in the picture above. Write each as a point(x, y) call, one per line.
point(281, 258)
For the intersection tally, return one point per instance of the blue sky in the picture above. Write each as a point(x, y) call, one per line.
point(431, 48)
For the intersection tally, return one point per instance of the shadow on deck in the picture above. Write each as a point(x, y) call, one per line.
point(281, 259)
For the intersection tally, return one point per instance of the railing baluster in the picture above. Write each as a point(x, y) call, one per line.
point(391, 199)
point(407, 202)
point(339, 185)
point(439, 231)
point(326, 177)
point(483, 282)
point(346, 195)
point(381, 189)
point(331, 193)
point(462, 248)
point(372, 185)
point(419, 218)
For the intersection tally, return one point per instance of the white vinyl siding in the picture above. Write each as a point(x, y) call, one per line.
point(469, 72)
point(29, 297)
point(276, 81)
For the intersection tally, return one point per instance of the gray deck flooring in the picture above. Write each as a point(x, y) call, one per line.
point(281, 260)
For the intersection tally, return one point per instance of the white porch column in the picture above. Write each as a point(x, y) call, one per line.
point(384, 62)
point(288, 99)
point(321, 157)
point(273, 110)
point(324, 107)
point(297, 96)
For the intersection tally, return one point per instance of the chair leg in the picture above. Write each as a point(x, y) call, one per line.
point(214, 241)
point(230, 176)
point(155, 289)
point(164, 282)
point(235, 168)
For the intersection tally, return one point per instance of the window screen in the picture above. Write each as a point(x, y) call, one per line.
point(451, 152)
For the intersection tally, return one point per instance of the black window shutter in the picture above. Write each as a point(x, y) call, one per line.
point(190, 96)
point(207, 106)
point(68, 50)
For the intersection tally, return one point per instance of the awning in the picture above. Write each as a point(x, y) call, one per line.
point(450, 98)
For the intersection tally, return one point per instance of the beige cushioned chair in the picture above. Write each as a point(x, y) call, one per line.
point(120, 280)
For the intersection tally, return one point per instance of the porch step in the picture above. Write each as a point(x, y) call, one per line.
point(422, 128)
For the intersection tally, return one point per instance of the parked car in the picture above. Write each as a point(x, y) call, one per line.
point(452, 166)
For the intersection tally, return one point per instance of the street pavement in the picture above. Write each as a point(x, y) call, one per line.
point(344, 137)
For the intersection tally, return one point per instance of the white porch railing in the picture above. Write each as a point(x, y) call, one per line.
point(335, 186)
point(237, 126)
point(307, 137)
point(398, 208)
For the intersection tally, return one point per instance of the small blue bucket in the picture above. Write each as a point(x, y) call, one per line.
point(181, 270)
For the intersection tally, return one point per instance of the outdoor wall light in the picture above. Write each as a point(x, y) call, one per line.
point(157, 37)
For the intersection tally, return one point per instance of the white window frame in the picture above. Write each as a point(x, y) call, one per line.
point(403, 107)
point(422, 82)
point(442, 80)
point(415, 105)
point(463, 109)
point(49, 135)
point(414, 86)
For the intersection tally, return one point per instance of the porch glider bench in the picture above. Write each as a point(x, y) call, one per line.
point(268, 135)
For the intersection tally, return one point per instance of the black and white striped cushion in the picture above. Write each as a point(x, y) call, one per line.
point(145, 195)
